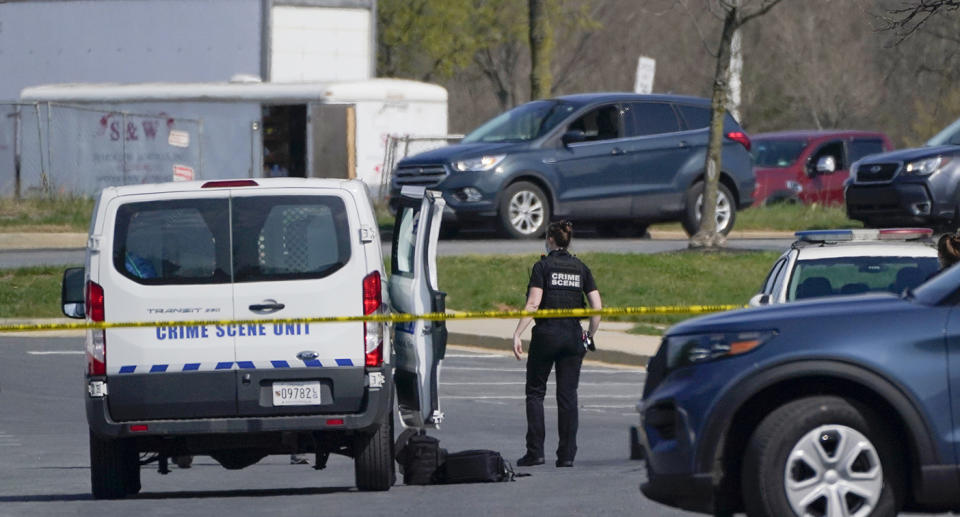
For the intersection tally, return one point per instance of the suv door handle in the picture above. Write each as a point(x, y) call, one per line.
point(267, 307)
point(683, 145)
point(616, 151)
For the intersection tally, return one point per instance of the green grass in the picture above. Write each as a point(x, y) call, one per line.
point(32, 292)
point(682, 278)
point(785, 217)
point(64, 214)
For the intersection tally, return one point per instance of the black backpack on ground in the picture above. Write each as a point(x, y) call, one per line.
point(474, 466)
point(419, 456)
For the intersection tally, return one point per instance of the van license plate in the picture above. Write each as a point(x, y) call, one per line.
point(301, 393)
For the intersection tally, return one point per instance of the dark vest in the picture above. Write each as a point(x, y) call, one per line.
point(563, 285)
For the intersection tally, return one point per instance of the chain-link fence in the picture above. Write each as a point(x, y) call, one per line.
point(399, 147)
point(57, 149)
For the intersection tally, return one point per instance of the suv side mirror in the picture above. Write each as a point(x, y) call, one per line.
point(759, 299)
point(573, 136)
point(71, 293)
point(826, 165)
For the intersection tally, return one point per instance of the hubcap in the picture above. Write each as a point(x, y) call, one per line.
point(526, 212)
point(833, 471)
point(724, 209)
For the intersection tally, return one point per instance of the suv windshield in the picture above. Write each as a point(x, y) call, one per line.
point(950, 135)
point(776, 153)
point(855, 275)
point(523, 123)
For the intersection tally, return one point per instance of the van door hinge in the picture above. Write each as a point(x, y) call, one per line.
point(367, 234)
point(437, 417)
point(93, 243)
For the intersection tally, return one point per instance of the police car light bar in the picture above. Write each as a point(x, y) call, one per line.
point(885, 234)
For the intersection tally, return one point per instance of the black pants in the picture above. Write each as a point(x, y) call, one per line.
point(560, 345)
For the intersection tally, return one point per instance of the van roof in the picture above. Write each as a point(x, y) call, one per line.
point(354, 186)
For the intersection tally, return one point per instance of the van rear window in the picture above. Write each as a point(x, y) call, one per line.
point(173, 242)
point(273, 238)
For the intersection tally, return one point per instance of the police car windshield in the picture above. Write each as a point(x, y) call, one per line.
point(523, 123)
point(856, 275)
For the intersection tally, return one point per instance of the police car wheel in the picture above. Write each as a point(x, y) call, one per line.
point(114, 468)
point(726, 210)
point(524, 211)
point(825, 456)
point(373, 458)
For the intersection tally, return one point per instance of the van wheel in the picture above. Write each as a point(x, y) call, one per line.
point(726, 211)
point(524, 211)
point(114, 468)
point(373, 458)
point(821, 456)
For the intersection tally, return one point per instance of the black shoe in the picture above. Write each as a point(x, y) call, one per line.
point(529, 460)
point(564, 463)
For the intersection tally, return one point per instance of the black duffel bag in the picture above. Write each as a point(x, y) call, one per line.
point(420, 458)
point(474, 466)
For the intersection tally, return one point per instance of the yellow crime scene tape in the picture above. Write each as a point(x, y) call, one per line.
point(384, 318)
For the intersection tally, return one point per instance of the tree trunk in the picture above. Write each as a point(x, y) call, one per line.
point(541, 48)
point(707, 236)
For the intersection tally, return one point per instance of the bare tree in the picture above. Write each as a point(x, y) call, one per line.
point(913, 15)
point(734, 16)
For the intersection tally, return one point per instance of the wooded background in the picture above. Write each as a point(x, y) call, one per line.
point(807, 64)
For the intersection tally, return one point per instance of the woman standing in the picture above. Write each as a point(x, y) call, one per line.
point(558, 281)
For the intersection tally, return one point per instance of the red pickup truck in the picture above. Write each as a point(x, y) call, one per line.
point(809, 166)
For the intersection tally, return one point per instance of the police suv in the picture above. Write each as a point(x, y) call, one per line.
point(202, 255)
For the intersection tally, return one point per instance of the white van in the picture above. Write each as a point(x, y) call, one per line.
point(254, 250)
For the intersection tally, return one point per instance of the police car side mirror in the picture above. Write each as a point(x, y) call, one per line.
point(759, 299)
point(71, 293)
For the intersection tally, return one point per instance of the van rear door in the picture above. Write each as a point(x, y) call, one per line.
point(168, 260)
point(295, 256)
point(419, 345)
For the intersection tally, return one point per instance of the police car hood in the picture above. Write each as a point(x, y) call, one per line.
point(455, 152)
point(864, 307)
point(909, 155)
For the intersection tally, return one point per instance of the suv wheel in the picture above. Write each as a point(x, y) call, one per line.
point(524, 211)
point(821, 456)
point(114, 468)
point(373, 458)
point(726, 211)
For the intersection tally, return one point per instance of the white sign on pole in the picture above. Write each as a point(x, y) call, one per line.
point(646, 68)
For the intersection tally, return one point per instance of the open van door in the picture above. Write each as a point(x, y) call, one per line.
point(419, 345)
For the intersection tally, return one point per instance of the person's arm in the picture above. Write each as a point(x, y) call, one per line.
point(534, 296)
point(595, 303)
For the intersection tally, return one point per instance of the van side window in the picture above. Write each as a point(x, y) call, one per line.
point(602, 123)
point(694, 116)
point(172, 242)
point(859, 148)
point(652, 118)
point(289, 237)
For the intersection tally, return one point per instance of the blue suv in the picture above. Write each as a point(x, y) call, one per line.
point(612, 158)
point(843, 406)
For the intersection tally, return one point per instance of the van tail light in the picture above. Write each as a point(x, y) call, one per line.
point(740, 137)
point(372, 331)
point(96, 338)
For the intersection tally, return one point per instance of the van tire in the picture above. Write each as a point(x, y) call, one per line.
point(373, 458)
point(524, 195)
point(114, 468)
point(691, 215)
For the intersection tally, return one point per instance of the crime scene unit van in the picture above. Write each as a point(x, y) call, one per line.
point(263, 249)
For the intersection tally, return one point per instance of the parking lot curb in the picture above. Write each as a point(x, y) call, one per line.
point(501, 344)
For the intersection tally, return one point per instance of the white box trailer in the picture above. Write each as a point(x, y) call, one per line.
point(92, 135)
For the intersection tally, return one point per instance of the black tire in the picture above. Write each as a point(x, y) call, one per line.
point(523, 225)
point(114, 468)
point(373, 459)
point(818, 422)
point(691, 214)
